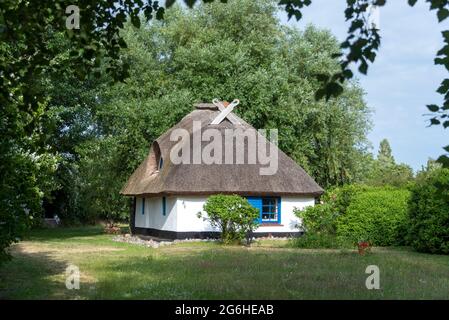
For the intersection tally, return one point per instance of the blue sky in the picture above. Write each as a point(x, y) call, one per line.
point(402, 80)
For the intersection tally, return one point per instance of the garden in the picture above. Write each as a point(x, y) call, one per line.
point(408, 245)
point(82, 109)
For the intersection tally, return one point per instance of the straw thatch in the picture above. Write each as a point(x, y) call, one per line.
point(191, 179)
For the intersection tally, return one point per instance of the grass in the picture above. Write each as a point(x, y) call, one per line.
point(267, 270)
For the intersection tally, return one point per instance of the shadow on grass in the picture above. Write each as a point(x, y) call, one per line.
point(32, 275)
point(62, 233)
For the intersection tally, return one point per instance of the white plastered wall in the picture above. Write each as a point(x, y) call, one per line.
point(153, 217)
point(188, 207)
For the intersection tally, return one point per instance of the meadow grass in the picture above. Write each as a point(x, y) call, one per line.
point(207, 270)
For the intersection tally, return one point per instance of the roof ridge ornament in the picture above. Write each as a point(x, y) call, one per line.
point(225, 112)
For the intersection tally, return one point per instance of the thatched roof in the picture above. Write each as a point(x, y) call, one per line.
point(191, 179)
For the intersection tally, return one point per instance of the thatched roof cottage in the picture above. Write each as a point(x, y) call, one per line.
point(172, 184)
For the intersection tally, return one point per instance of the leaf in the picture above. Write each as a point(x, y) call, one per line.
point(336, 55)
point(319, 94)
point(363, 68)
point(444, 160)
point(347, 73)
point(135, 21)
point(122, 43)
point(160, 13)
point(444, 87)
point(333, 89)
point(148, 11)
point(356, 24)
point(322, 77)
point(434, 121)
point(169, 3)
point(446, 148)
point(446, 124)
point(442, 14)
point(433, 107)
point(412, 2)
point(189, 3)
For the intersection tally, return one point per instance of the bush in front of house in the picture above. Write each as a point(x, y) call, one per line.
point(318, 223)
point(233, 215)
point(377, 215)
point(429, 212)
point(318, 219)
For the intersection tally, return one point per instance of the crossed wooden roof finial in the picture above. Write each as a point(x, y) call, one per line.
point(225, 112)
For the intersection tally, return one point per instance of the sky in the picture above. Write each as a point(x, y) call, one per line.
point(402, 80)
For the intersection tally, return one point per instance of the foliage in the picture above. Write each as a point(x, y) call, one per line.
point(233, 215)
point(26, 171)
point(429, 212)
point(319, 222)
point(69, 123)
point(385, 171)
point(100, 182)
point(354, 213)
point(20, 199)
point(211, 51)
point(187, 59)
point(28, 162)
point(318, 219)
point(376, 215)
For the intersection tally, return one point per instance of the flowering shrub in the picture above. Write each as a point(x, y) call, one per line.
point(233, 215)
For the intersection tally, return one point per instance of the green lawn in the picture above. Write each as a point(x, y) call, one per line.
point(267, 270)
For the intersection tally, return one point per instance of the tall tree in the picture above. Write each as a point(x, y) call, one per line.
point(384, 155)
point(385, 171)
point(211, 52)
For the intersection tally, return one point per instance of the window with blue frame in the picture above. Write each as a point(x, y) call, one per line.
point(143, 206)
point(269, 208)
point(164, 206)
point(270, 211)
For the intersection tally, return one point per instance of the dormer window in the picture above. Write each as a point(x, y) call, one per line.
point(161, 163)
point(155, 161)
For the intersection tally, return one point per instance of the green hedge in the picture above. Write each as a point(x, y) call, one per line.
point(429, 213)
point(378, 215)
point(354, 213)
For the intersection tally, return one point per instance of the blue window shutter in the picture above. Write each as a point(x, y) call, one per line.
point(256, 202)
point(164, 206)
point(279, 210)
point(143, 205)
